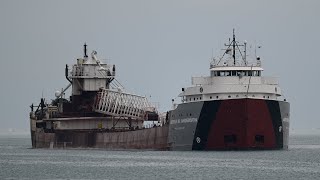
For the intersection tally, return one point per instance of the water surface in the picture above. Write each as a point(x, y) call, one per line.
point(19, 161)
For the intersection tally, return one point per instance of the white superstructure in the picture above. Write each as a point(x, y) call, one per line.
point(89, 74)
point(232, 79)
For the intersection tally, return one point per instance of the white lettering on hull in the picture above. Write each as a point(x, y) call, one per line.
point(179, 128)
point(186, 120)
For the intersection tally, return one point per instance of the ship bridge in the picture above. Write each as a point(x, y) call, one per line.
point(233, 77)
point(235, 71)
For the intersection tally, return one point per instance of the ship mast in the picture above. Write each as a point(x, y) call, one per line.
point(234, 48)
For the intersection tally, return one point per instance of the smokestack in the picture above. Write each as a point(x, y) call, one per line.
point(85, 50)
point(114, 70)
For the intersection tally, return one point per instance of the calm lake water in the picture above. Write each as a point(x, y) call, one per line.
point(19, 161)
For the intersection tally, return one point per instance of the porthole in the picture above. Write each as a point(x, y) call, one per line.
point(217, 97)
point(229, 96)
point(210, 97)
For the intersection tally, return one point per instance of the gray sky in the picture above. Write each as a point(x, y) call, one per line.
point(156, 45)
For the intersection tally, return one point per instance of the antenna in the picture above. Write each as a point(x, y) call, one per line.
point(234, 48)
point(234, 45)
point(85, 50)
point(245, 52)
point(212, 58)
point(255, 49)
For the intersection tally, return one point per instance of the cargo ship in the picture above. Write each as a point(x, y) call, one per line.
point(235, 108)
point(98, 114)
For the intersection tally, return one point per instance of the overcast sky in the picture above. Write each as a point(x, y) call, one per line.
point(156, 45)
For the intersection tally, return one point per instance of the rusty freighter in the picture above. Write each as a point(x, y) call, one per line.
point(233, 108)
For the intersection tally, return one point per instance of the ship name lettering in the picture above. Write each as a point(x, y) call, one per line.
point(186, 120)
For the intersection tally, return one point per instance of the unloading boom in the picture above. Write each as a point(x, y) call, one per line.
point(117, 103)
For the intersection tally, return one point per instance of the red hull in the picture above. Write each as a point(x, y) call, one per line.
point(242, 124)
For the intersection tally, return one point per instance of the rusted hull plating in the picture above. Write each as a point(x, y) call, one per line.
point(151, 138)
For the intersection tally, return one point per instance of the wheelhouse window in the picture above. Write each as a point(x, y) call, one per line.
point(254, 73)
point(236, 73)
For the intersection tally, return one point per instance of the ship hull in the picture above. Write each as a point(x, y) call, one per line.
point(235, 124)
point(151, 138)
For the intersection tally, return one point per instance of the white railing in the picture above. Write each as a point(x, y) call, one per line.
point(117, 103)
